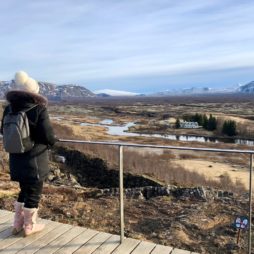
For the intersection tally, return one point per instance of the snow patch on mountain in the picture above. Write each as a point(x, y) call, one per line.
point(115, 92)
point(248, 88)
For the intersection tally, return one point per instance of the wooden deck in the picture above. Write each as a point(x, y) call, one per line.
point(66, 239)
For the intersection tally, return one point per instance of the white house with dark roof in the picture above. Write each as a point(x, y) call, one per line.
point(189, 125)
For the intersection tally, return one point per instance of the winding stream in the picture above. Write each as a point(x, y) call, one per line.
point(117, 130)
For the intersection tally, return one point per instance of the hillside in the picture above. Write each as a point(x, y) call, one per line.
point(52, 91)
point(248, 88)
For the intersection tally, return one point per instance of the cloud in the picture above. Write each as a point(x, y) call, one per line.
point(91, 41)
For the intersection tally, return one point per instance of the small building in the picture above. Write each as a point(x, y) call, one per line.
point(189, 125)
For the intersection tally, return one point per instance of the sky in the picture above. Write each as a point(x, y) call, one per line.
point(132, 45)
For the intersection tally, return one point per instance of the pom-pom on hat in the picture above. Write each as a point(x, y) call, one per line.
point(25, 83)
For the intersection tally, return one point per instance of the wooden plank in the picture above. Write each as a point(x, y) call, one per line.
point(179, 251)
point(161, 249)
point(93, 243)
point(50, 236)
point(60, 242)
point(6, 233)
point(5, 213)
point(73, 239)
point(127, 246)
point(9, 239)
point(144, 248)
point(77, 242)
point(6, 218)
point(25, 241)
point(6, 224)
point(108, 246)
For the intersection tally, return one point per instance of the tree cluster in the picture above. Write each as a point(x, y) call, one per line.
point(202, 120)
point(210, 124)
point(229, 128)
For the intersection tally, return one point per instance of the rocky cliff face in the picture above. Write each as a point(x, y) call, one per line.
point(96, 173)
point(52, 91)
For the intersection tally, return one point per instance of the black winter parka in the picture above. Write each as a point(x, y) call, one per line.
point(31, 166)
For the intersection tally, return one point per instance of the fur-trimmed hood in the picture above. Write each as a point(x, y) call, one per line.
point(19, 98)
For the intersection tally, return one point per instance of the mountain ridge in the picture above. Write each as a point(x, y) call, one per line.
point(247, 88)
point(51, 90)
point(58, 92)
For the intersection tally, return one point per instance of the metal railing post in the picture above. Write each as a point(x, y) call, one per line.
point(250, 204)
point(121, 193)
point(180, 148)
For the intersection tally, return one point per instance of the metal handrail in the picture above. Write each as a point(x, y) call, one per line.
point(122, 144)
point(157, 146)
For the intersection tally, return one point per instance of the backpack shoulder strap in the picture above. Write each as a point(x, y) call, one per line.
point(26, 110)
point(8, 109)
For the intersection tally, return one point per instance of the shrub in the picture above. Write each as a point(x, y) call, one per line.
point(177, 123)
point(229, 128)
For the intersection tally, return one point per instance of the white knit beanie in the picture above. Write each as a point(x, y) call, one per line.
point(25, 83)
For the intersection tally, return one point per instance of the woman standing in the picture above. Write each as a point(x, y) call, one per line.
point(31, 167)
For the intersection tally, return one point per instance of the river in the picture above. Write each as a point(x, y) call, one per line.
point(116, 130)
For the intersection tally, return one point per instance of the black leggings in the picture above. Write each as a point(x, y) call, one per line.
point(30, 194)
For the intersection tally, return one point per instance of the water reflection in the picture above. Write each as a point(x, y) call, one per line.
point(106, 121)
point(117, 130)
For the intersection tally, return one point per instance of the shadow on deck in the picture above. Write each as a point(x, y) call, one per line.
point(66, 239)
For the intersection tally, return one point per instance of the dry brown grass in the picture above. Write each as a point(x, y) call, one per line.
point(155, 165)
point(159, 167)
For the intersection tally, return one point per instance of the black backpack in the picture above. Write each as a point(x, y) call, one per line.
point(16, 132)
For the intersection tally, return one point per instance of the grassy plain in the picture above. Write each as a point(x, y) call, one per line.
point(150, 114)
point(198, 226)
